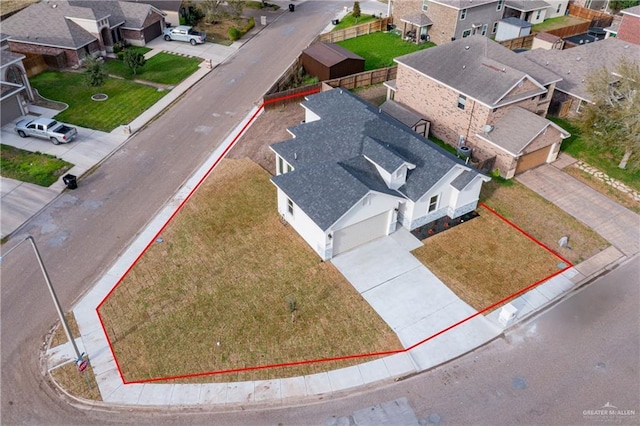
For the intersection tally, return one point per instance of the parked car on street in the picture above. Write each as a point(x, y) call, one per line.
point(46, 128)
point(184, 33)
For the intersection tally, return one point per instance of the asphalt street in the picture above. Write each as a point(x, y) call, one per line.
point(82, 232)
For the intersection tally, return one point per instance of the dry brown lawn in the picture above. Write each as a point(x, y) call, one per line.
point(485, 259)
point(543, 220)
point(216, 293)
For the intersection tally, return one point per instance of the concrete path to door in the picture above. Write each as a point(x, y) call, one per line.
point(616, 224)
point(412, 300)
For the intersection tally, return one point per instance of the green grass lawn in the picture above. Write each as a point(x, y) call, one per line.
point(555, 23)
point(350, 21)
point(602, 159)
point(379, 49)
point(126, 100)
point(32, 167)
point(163, 68)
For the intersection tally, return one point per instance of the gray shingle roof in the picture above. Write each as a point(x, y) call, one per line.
point(477, 67)
point(44, 24)
point(634, 11)
point(463, 4)
point(576, 64)
point(515, 130)
point(7, 58)
point(331, 172)
point(401, 112)
point(527, 5)
point(517, 22)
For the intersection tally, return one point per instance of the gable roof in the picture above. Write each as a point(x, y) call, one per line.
point(527, 5)
point(517, 128)
point(576, 64)
point(50, 23)
point(333, 158)
point(330, 54)
point(633, 11)
point(479, 68)
point(462, 4)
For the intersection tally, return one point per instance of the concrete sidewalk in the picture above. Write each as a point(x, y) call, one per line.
point(21, 201)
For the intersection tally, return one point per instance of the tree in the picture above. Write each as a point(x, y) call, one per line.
point(356, 10)
point(96, 71)
point(618, 5)
point(134, 60)
point(612, 119)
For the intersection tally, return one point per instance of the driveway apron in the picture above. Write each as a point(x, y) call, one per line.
point(413, 301)
point(616, 224)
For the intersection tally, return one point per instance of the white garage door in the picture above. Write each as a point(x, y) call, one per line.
point(359, 233)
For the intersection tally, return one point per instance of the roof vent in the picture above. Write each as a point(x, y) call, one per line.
point(295, 155)
point(504, 70)
point(626, 46)
point(464, 67)
point(467, 47)
point(578, 58)
point(487, 128)
point(54, 6)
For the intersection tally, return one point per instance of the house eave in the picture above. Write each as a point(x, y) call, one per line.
point(53, 45)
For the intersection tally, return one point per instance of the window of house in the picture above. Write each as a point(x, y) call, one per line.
point(433, 204)
point(462, 100)
point(466, 33)
point(290, 206)
point(463, 14)
point(499, 5)
point(545, 94)
point(425, 5)
point(484, 29)
point(280, 165)
point(289, 168)
point(559, 7)
point(494, 28)
point(538, 15)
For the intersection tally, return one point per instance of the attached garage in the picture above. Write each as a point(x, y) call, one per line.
point(359, 233)
point(533, 159)
point(152, 31)
point(10, 109)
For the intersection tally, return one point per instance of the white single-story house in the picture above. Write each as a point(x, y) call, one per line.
point(352, 173)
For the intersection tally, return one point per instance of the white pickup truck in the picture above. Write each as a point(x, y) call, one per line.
point(46, 128)
point(184, 33)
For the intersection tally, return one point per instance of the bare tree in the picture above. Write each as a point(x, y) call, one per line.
point(612, 120)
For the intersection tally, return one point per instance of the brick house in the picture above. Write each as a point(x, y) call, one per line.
point(479, 94)
point(15, 89)
point(575, 65)
point(66, 31)
point(629, 29)
point(447, 20)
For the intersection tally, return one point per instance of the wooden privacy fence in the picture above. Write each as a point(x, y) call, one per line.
point(355, 31)
point(287, 77)
point(597, 18)
point(34, 64)
point(571, 30)
point(280, 99)
point(364, 79)
point(524, 42)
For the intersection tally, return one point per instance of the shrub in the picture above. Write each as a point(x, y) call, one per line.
point(120, 55)
point(116, 48)
point(234, 34)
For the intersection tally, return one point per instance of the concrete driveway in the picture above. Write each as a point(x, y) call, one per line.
point(21, 200)
point(616, 224)
point(412, 300)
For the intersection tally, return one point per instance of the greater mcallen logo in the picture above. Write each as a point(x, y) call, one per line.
point(608, 413)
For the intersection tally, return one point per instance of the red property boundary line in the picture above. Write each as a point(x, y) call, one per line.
point(320, 360)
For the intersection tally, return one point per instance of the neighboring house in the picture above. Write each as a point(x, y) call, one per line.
point(448, 20)
point(15, 89)
point(352, 173)
point(66, 31)
point(629, 28)
point(556, 8)
point(592, 4)
point(328, 61)
point(510, 28)
point(170, 8)
point(532, 11)
point(466, 90)
point(575, 65)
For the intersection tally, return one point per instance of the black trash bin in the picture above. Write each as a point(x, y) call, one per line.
point(335, 21)
point(292, 7)
point(70, 181)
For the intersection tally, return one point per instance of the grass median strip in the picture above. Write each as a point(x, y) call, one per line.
point(232, 287)
point(32, 167)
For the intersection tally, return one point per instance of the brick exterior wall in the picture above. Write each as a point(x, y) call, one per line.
point(401, 9)
point(72, 57)
point(444, 22)
point(629, 29)
point(133, 37)
point(152, 19)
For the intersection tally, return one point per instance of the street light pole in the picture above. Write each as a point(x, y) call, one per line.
point(56, 302)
